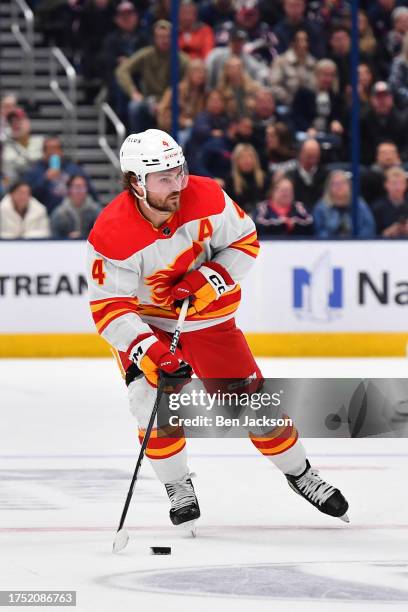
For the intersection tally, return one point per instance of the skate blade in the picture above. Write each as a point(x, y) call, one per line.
point(344, 518)
point(188, 526)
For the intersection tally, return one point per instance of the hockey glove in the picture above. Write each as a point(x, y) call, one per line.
point(203, 286)
point(151, 355)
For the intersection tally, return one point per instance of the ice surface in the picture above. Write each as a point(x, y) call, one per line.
point(67, 451)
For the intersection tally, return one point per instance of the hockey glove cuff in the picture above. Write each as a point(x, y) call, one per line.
point(151, 355)
point(203, 286)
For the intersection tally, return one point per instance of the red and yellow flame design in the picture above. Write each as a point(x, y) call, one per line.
point(162, 281)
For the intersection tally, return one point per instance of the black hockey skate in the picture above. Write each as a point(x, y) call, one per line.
point(184, 505)
point(319, 493)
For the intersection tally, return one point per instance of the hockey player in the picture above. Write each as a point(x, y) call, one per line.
point(166, 237)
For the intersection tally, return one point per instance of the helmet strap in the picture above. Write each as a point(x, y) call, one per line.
point(144, 198)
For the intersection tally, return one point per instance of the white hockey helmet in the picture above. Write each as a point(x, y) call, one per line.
point(151, 151)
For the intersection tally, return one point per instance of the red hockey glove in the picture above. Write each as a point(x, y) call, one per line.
point(151, 355)
point(203, 286)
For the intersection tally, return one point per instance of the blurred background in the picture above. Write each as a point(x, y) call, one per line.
point(298, 109)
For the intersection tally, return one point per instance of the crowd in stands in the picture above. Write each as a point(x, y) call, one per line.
point(265, 109)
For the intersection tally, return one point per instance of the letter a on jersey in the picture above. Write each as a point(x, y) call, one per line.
point(205, 230)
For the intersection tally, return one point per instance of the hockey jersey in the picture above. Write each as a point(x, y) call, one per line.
point(132, 265)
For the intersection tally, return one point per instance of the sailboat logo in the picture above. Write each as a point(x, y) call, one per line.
point(318, 293)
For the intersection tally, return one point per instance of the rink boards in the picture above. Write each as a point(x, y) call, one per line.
point(302, 298)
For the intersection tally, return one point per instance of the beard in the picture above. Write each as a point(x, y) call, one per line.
point(169, 204)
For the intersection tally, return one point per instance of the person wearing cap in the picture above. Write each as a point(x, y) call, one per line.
point(382, 122)
point(21, 148)
point(216, 59)
point(127, 38)
point(151, 66)
point(261, 40)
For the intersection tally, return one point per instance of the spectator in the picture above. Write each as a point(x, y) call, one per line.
point(126, 39)
point(367, 41)
point(379, 14)
point(394, 38)
point(309, 176)
point(365, 84)
point(76, 215)
point(264, 112)
point(271, 12)
point(21, 148)
point(330, 13)
point(372, 179)
point(279, 149)
point(151, 66)
point(196, 39)
point(161, 10)
point(48, 177)
point(262, 41)
point(192, 100)
point(237, 87)
point(218, 56)
point(265, 107)
point(295, 20)
point(216, 13)
point(8, 104)
point(247, 183)
point(211, 123)
point(391, 211)
point(217, 151)
point(340, 49)
point(280, 214)
point(293, 69)
point(21, 215)
point(332, 215)
point(319, 110)
point(382, 122)
point(398, 79)
point(95, 23)
point(55, 19)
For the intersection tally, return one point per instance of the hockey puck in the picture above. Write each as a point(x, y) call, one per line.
point(160, 550)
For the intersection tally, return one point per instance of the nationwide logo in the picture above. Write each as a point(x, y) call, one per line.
point(318, 292)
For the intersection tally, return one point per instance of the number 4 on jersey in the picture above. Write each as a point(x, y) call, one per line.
point(98, 273)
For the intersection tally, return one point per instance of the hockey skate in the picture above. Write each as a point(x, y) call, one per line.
point(184, 509)
point(319, 493)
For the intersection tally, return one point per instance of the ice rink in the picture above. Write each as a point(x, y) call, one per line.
point(68, 447)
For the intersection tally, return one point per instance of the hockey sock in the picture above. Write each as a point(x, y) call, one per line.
point(167, 456)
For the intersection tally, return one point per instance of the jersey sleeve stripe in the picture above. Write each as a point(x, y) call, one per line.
point(111, 316)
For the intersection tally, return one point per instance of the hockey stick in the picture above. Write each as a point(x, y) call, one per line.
point(122, 536)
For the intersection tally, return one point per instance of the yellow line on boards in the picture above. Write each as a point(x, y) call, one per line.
point(263, 345)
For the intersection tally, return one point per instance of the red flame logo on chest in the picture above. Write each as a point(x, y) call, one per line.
point(162, 281)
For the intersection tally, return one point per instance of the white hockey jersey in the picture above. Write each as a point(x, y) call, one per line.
point(132, 265)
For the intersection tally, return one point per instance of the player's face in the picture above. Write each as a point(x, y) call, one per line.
point(163, 188)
